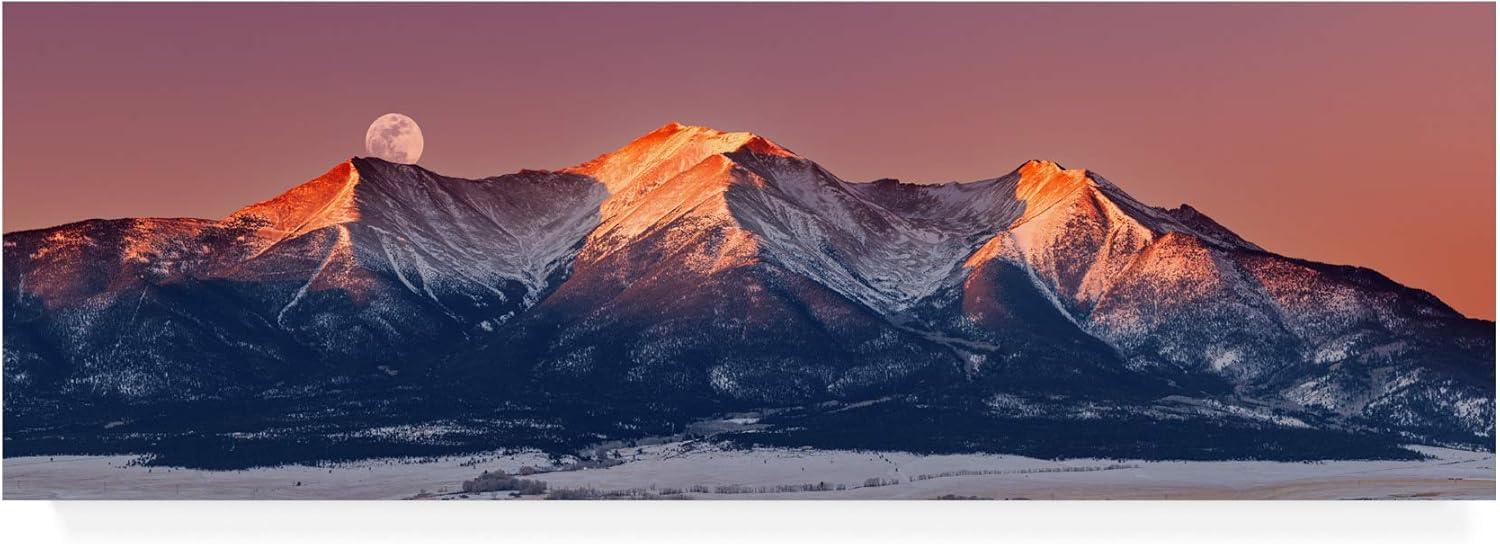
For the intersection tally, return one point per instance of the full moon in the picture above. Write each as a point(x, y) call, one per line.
point(394, 137)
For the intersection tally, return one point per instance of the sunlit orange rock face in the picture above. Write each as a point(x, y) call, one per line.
point(66, 267)
point(1043, 184)
point(325, 201)
point(641, 166)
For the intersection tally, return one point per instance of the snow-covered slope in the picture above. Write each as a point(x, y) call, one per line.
point(435, 233)
point(370, 264)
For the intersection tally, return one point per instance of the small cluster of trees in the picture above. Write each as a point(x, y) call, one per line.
point(573, 494)
point(1038, 470)
point(783, 488)
point(879, 482)
point(589, 493)
point(480, 459)
point(602, 458)
point(500, 481)
point(679, 491)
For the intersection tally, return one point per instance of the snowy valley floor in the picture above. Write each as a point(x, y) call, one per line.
point(699, 471)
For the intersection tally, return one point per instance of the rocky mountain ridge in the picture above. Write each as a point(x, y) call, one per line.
point(694, 271)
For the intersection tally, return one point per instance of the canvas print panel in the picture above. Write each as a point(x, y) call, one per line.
point(596, 252)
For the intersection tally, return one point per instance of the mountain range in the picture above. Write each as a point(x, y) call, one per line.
point(382, 309)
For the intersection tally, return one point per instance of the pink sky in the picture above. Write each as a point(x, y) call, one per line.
point(1354, 134)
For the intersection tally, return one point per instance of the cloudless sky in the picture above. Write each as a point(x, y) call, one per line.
point(1353, 134)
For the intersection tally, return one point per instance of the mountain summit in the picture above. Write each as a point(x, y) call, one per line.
point(693, 272)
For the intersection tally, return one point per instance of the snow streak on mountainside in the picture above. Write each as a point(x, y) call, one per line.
point(694, 270)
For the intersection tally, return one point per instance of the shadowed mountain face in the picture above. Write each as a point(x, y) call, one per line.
point(693, 272)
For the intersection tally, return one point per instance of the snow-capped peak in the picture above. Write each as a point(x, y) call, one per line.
point(730, 141)
point(1040, 165)
point(667, 151)
point(1042, 184)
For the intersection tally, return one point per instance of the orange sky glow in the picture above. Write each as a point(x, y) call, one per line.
point(1344, 133)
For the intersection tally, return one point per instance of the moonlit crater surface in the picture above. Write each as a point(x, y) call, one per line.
point(394, 137)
